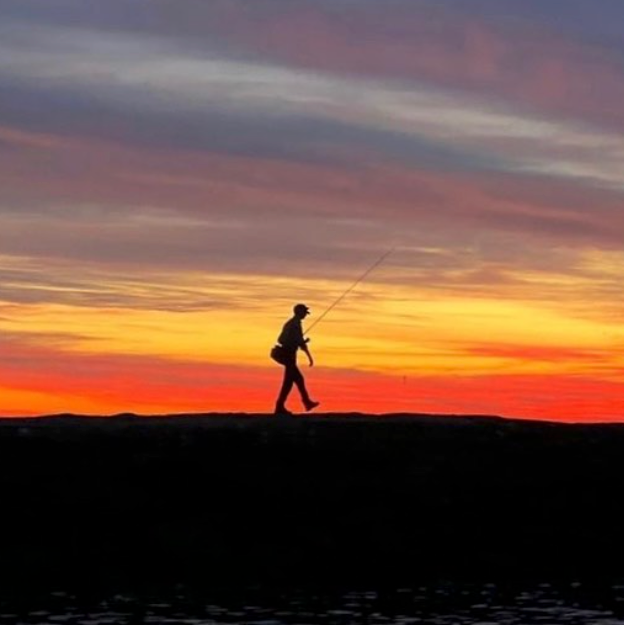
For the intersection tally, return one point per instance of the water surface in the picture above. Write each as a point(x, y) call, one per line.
point(435, 604)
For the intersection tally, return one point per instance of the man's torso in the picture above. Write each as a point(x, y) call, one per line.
point(291, 336)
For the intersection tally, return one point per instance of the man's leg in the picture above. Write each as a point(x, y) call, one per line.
point(305, 398)
point(287, 385)
point(300, 382)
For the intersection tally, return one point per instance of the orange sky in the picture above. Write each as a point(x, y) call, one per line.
point(170, 186)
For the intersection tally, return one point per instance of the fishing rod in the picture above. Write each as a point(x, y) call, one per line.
point(353, 286)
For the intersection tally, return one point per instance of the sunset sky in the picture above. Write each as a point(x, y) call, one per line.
point(176, 174)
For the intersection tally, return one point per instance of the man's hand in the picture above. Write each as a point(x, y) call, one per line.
point(311, 361)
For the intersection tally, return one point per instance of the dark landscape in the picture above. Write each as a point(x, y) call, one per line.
point(353, 500)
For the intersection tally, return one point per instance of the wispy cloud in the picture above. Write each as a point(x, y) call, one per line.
point(318, 110)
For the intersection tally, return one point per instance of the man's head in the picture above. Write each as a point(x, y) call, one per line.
point(301, 311)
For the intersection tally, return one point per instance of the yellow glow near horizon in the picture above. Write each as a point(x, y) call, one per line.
point(384, 329)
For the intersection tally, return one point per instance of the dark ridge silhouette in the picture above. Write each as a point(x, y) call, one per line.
point(350, 499)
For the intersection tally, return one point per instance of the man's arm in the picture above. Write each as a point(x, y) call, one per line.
point(304, 347)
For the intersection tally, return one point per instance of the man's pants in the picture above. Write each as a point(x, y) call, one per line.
point(292, 375)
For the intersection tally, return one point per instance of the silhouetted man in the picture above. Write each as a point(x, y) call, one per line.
point(291, 339)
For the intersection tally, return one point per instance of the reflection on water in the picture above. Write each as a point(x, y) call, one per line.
point(439, 604)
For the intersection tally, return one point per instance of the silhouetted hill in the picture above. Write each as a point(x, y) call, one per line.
point(235, 499)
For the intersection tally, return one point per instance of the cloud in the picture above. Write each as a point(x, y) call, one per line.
point(529, 53)
point(155, 216)
point(539, 353)
point(156, 94)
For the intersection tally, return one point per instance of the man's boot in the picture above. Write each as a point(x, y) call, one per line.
point(281, 410)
